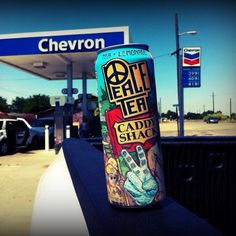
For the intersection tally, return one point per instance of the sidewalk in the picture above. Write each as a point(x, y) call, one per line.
point(19, 177)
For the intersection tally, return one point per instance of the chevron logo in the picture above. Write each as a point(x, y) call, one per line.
point(191, 56)
point(191, 62)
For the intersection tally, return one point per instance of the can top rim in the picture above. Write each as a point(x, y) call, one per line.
point(136, 45)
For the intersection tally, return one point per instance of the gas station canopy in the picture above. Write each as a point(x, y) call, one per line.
point(47, 54)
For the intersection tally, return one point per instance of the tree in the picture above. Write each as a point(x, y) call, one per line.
point(36, 103)
point(207, 112)
point(163, 114)
point(193, 116)
point(233, 116)
point(3, 104)
point(171, 115)
point(18, 104)
point(32, 104)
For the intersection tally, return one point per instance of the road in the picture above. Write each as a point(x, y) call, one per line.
point(199, 128)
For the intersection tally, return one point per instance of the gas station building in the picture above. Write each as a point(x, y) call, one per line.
point(61, 55)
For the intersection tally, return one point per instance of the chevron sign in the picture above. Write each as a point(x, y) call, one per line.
point(191, 57)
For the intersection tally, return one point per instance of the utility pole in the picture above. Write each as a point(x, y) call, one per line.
point(160, 107)
point(213, 101)
point(230, 109)
point(179, 80)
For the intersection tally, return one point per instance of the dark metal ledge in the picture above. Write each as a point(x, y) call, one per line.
point(86, 167)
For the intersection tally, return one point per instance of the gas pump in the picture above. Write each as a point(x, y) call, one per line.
point(63, 117)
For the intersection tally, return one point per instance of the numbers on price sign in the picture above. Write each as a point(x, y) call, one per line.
point(191, 77)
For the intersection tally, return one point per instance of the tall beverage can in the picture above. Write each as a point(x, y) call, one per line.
point(129, 125)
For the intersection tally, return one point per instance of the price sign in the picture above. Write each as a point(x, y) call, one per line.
point(191, 77)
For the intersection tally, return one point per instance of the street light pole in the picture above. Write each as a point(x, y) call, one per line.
point(179, 80)
point(179, 75)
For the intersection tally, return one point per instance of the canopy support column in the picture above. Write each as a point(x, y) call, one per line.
point(84, 86)
point(69, 82)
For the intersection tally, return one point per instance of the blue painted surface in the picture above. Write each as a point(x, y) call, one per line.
point(191, 56)
point(30, 45)
point(191, 77)
point(86, 167)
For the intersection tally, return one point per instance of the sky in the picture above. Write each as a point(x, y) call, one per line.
point(150, 22)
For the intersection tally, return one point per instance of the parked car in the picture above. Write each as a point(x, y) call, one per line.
point(212, 120)
point(164, 119)
point(37, 132)
point(14, 133)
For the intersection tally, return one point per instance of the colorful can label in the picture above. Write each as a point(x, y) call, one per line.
point(130, 128)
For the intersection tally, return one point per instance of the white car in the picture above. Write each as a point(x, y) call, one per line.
point(14, 133)
point(164, 119)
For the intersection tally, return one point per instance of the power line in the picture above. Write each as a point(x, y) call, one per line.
point(163, 55)
point(12, 91)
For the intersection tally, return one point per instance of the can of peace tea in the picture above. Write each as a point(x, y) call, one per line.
point(129, 126)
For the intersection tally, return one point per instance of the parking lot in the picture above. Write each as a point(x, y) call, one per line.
point(199, 128)
point(19, 177)
point(20, 173)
